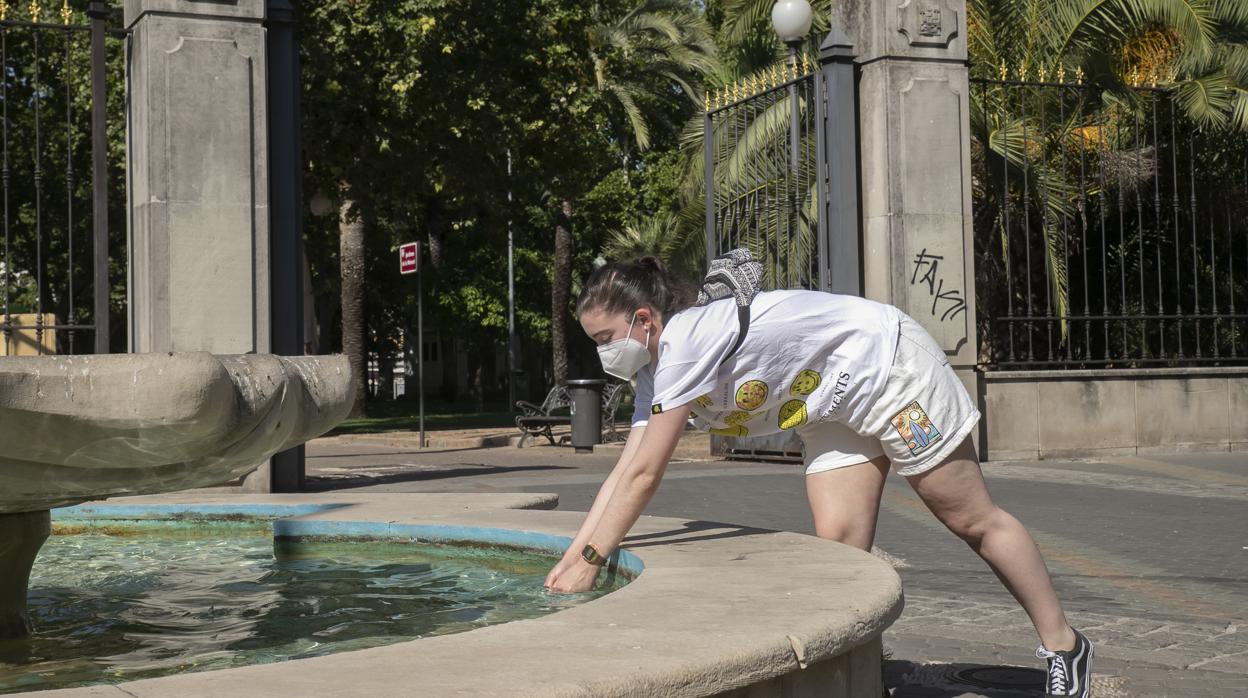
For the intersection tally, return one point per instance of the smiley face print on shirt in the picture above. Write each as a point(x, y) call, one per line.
point(751, 395)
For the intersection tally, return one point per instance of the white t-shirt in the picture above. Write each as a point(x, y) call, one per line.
point(808, 356)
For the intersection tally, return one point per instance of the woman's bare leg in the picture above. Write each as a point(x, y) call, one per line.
point(846, 501)
point(955, 492)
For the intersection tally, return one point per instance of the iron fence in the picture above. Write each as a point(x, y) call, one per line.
point(760, 148)
point(1111, 229)
point(55, 177)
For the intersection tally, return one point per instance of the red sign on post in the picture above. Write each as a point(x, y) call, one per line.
point(409, 258)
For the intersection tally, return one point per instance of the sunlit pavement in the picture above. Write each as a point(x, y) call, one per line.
point(1149, 555)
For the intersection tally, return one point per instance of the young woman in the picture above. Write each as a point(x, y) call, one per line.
point(863, 385)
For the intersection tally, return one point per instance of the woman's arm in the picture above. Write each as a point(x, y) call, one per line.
point(631, 492)
point(603, 497)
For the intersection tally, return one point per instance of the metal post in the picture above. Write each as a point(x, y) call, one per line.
point(285, 176)
point(794, 107)
point(511, 298)
point(794, 186)
point(708, 185)
point(420, 341)
point(840, 225)
point(98, 12)
point(287, 469)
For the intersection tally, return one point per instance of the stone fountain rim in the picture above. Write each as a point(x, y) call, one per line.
point(717, 607)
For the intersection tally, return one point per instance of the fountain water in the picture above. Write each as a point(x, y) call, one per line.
point(78, 428)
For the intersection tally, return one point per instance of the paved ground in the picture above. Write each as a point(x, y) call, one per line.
point(1150, 556)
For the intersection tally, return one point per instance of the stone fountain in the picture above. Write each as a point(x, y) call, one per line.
point(79, 428)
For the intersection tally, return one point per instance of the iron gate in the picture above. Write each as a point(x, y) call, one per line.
point(781, 179)
point(54, 115)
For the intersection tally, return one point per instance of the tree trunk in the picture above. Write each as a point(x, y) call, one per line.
point(351, 261)
point(559, 293)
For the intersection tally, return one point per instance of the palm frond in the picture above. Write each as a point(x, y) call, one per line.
point(1207, 99)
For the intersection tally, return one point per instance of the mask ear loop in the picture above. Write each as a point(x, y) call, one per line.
point(630, 331)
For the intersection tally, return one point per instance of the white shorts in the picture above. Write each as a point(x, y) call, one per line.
point(922, 415)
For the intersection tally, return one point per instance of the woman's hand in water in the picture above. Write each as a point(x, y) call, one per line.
point(559, 568)
point(576, 577)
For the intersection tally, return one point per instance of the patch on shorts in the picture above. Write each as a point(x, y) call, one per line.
point(916, 428)
point(656, 409)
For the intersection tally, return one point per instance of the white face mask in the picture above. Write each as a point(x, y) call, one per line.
point(623, 358)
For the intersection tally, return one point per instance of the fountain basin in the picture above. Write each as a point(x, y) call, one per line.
point(125, 599)
point(716, 610)
point(80, 428)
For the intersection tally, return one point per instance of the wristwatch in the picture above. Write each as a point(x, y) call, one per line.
point(591, 555)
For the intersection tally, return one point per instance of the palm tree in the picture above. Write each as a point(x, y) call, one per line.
point(1189, 45)
point(658, 50)
point(1196, 45)
point(656, 236)
point(351, 256)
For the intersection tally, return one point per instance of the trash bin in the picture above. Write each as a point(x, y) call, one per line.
point(586, 397)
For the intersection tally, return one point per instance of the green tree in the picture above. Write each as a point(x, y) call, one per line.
point(1193, 48)
point(640, 61)
point(1198, 46)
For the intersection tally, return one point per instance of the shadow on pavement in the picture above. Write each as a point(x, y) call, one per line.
point(682, 534)
point(906, 679)
point(414, 451)
point(323, 483)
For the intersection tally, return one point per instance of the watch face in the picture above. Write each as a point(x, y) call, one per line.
point(590, 555)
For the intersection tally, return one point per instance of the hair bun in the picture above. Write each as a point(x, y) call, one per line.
point(651, 263)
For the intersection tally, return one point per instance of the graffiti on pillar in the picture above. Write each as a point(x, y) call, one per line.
point(946, 303)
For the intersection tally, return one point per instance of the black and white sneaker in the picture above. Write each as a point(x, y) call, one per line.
point(1070, 672)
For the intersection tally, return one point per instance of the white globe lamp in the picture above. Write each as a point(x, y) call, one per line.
point(791, 19)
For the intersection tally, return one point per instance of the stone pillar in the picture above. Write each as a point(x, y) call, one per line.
point(199, 189)
point(913, 112)
point(21, 536)
point(206, 272)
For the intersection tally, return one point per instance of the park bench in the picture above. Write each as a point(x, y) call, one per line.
point(539, 420)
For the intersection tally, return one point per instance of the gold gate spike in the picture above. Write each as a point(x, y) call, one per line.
point(34, 10)
point(1004, 70)
point(66, 13)
point(805, 64)
point(1079, 75)
point(1061, 74)
point(1042, 73)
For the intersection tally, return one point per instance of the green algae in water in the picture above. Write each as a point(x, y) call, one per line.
point(115, 601)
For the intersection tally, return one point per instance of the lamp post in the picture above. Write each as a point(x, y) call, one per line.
point(511, 298)
point(791, 20)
